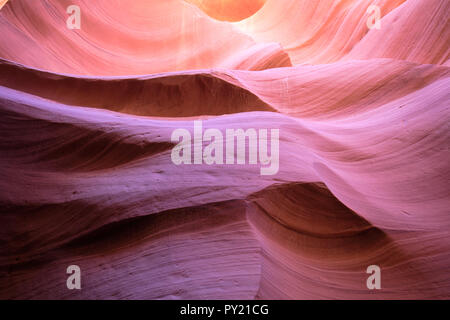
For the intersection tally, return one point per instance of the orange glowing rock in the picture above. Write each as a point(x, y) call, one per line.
point(86, 174)
point(229, 10)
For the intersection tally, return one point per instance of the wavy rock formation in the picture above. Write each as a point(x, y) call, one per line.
point(86, 124)
point(119, 39)
point(229, 10)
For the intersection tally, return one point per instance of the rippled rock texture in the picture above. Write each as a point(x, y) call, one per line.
point(87, 176)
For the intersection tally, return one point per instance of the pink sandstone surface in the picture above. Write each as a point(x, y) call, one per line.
point(86, 118)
